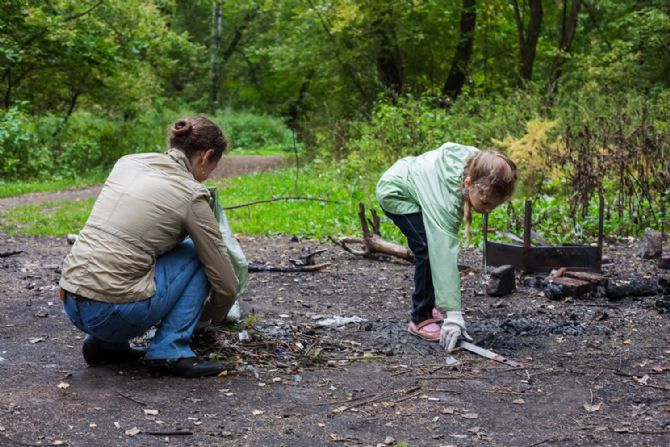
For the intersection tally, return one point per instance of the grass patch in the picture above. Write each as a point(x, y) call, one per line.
point(305, 219)
point(16, 188)
point(302, 218)
point(56, 218)
point(313, 219)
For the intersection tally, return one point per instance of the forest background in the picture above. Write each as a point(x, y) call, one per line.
point(576, 92)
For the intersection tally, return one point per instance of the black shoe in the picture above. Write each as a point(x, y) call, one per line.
point(189, 367)
point(98, 353)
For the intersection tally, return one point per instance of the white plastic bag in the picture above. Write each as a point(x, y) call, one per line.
point(235, 253)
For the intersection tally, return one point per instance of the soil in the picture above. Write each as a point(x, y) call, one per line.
point(595, 372)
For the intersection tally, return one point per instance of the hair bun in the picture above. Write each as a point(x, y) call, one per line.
point(181, 127)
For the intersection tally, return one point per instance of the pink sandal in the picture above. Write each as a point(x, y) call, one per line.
point(428, 330)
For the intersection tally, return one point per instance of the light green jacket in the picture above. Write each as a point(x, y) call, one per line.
point(432, 184)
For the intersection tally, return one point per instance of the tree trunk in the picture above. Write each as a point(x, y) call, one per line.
point(568, 29)
point(388, 65)
point(298, 105)
point(459, 66)
point(528, 38)
point(217, 19)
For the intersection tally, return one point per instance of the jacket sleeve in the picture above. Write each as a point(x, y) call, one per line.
point(202, 227)
point(441, 206)
point(443, 248)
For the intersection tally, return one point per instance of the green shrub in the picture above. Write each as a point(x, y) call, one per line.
point(254, 133)
point(21, 154)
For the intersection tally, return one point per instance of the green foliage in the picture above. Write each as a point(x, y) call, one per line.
point(253, 133)
point(92, 142)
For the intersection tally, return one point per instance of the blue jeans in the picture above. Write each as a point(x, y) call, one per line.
point(181, 290)
point(423, 298)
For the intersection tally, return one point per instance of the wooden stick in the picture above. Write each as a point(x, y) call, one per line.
point(276, 199)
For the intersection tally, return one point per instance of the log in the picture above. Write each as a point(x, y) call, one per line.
point(372, 241)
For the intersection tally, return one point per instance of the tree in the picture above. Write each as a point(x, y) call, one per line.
point(459, 66)
point(568, 28)
point(528, 36)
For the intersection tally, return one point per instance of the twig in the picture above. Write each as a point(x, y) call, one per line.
point(131, 399)
point(7, 254)
point(276, 199)
point(168, 433)
point(551, 438)
point(18, 442)
point(254, 267)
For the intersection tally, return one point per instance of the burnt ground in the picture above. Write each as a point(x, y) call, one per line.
point(595, 372)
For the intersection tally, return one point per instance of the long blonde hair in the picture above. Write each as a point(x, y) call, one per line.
point(493, 175)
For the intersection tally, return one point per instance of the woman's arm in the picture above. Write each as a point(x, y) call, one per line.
point(202, 227)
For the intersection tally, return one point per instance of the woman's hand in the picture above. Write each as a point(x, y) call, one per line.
point(453, 328)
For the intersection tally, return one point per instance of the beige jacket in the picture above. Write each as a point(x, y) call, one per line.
point(148, 205)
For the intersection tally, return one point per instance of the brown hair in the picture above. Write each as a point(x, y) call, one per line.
point(192, 134)
point(493, 175)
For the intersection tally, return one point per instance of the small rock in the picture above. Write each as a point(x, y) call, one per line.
point(651, 244)
point(501, 281)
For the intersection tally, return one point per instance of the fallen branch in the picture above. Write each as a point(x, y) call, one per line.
point(277, 199)
point(372, 241)
point(257, 267)
point(7, 254)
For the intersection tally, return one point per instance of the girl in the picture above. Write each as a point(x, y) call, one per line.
point(132, 268)
point(425, 197)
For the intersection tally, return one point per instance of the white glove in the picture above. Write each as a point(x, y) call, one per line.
point(453, 328)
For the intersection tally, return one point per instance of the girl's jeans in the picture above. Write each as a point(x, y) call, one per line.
point(181, 290)
point(423, 298)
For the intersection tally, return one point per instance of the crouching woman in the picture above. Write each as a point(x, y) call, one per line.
point(150, 254)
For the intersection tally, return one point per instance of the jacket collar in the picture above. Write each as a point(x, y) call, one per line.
point(181, 158)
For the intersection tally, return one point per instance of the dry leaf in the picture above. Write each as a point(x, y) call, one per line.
point(63, 385)
point(519, 401)
point(257, 412)
point(592, 408)
point(628, 341)
point(339, 410)
point(150, 412)
point(133, 431)
point(642, 380)
point(470, 415)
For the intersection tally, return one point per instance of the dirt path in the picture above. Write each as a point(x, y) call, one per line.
point(229, 166)
point(594, 372)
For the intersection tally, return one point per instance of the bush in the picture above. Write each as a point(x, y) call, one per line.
point(255, 133)
point(92, 141)
point(21, 154)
